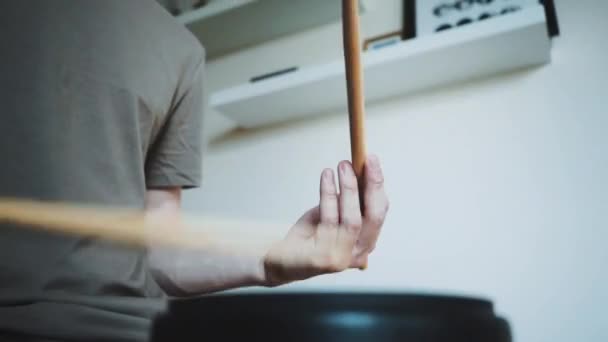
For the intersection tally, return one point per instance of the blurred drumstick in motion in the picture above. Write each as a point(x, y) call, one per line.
point(354, 86)
point(130, 226)
point(117, 225)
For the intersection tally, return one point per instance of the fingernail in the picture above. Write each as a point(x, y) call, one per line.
point(374, 161)
point(346, 169)
point(374, 170)
point(327, 175)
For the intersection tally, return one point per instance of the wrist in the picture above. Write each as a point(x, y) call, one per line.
point(260, 278)
point(269, 270)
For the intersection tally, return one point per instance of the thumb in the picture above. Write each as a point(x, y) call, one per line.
point(306, 225)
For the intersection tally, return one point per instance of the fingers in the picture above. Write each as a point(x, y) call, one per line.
point(341, 221)
point(350, 212)
point(345, 237)
point(328, 212)
point(328, 203)
point(376, 200)
point(376, 207)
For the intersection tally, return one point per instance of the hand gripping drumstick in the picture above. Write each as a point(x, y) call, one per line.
point(354, 86)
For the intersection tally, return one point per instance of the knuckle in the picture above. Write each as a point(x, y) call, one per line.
point(330, 220)
point(352, 226)
point(376, 178)
point(349, 185)
point(329, 195)
point(376, 220)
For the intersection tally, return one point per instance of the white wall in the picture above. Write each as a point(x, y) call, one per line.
point(498, 187)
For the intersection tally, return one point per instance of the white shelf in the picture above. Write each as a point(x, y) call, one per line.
point(213, 8)
point(225, 26)
point(502, 44)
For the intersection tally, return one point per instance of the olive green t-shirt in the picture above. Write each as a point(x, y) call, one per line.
point(99, 101)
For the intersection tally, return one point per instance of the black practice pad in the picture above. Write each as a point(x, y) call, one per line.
point(336, 317)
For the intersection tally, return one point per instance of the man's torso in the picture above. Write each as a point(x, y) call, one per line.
point(86, 89)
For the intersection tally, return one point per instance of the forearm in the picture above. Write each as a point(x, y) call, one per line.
point(195, 272)
point(221, 265)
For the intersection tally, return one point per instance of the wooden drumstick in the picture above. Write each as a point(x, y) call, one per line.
point(354, 86)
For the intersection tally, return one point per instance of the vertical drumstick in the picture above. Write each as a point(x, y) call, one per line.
point(354, 86)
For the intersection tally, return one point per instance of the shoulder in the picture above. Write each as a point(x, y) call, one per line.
point(180, 45)
point(179, 34)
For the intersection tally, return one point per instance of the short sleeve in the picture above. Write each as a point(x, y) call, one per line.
point(175, 158)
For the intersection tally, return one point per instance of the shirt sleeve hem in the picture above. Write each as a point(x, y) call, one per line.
point(167, 180)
